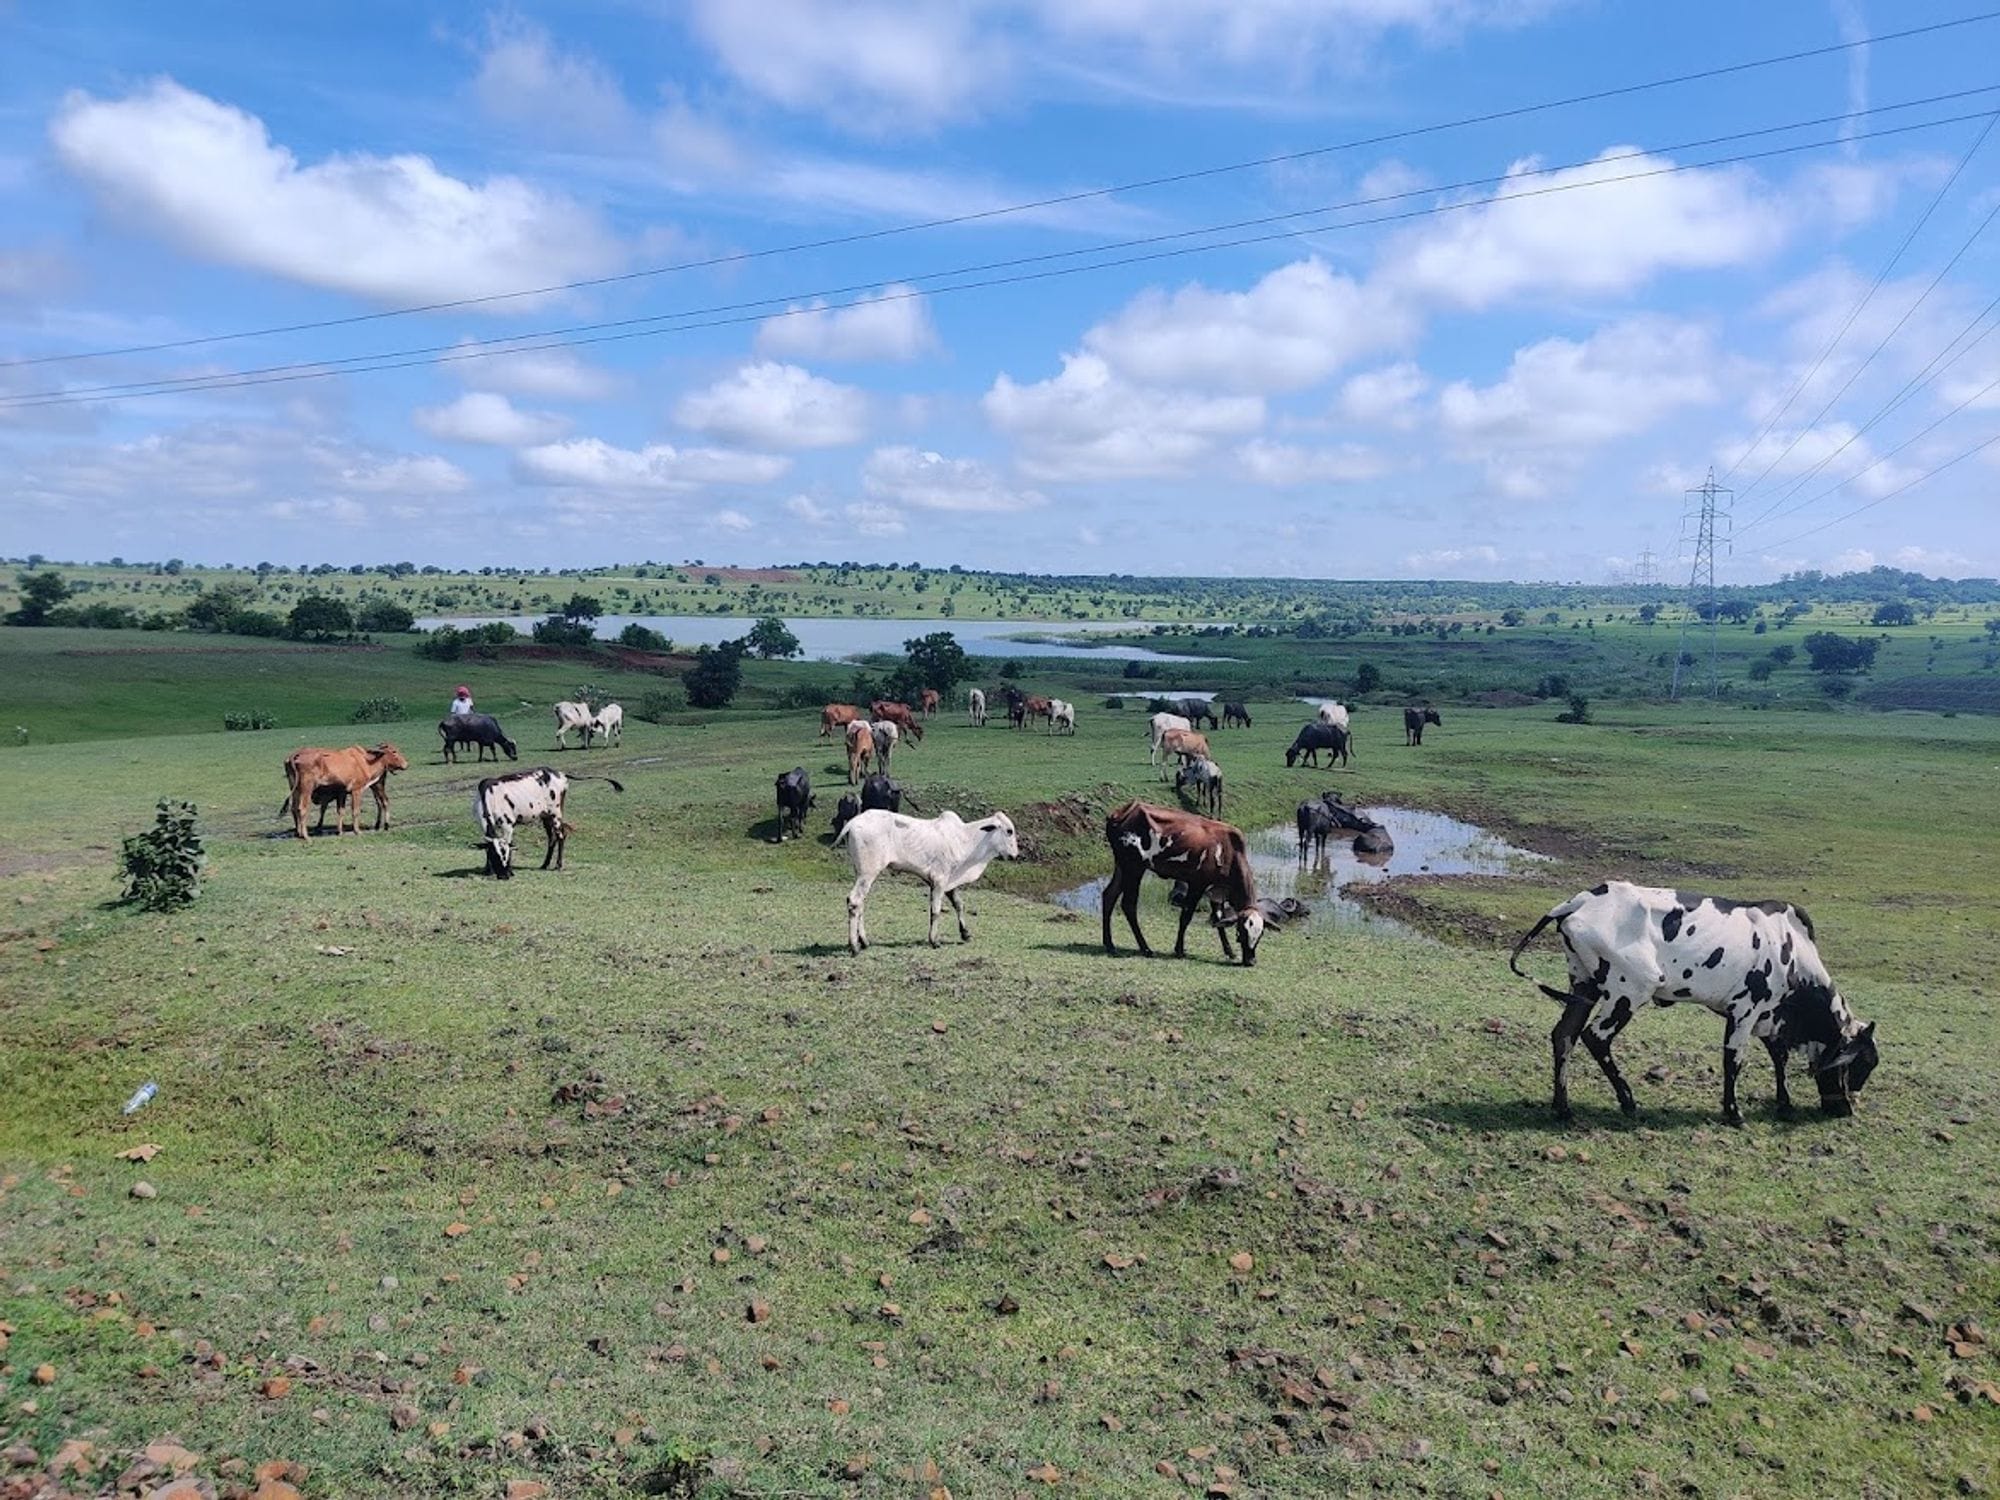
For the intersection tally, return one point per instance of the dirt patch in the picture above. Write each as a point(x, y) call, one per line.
point(1042, 826)
point(35, 864)
point(1503, 698)
point(1406, 899)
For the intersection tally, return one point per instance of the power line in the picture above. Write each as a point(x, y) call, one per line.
point(1054, 201)
point(1973, 451)
point(621, 329)
point(1707, 513)
point(1859, 307)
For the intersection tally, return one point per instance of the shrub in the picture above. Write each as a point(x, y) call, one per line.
point(320, 618)
point(249, 718)
point(1895, 612)
point(1760, 671)
point(1784, 655)
point(643, 638)
point(1010, 670)
point(1840, 653)
point(770, 637)
point(493, 633)
point(1367, 678)
point(1837, 687)
point(1114, 704)
point(254, 622)
point(1555, 685)
point(446, 643)
point(1579, 710)
point(163, 865)
point(384, 617)
point(715, 676)
point(809, 695)
point(96, 616)
point(379, 711)
point(656, 703)
point(40, 593)
point(556, 631)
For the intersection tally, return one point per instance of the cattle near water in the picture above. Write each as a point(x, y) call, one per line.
point(1211, 857)
point(945, 852)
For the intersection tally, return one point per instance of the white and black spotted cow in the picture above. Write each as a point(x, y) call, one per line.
point(503, 803)
point(1754, 963)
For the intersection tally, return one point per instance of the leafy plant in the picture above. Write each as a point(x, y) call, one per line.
point(643, 638)
point(655, 704)
point(40, 593)
point(379, 711)
point(384, 617)
point(1579, 710)
point(320, 618)
point(715, 676)
point(1840, 653)
point(557, 631)
point(770, 637)
point(249, 718)
point(163, 865)
point(446, 643)
point(1367, 678)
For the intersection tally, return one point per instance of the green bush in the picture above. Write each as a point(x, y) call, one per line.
point(163, 865)
point(318, 617)
point(1579, 710)
point(1760, 671)
point(379, 711)
point(643, 638)
point(493, 633)
point(446, 643)
point(657, 703)
point(809, 695)
point(249, 718)
point(383, 617)
point(715, 676)
point(1367, 678)
point(254, 622)
point(557, 631)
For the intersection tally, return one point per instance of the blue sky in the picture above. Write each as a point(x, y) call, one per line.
point(1477, 389)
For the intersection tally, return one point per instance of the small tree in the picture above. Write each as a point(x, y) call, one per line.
point(771, 638)
point(163, 865)
point(1648, 613)
point(1512, 617)
point(1894, 612)
point(715, 676)
point(384, 617)
point(1579, 710)
point(1367, 678)
point(40, 593)
point(558, 630)
point(213, 608)
point(320, 618)
point(937, 661)
point(1784, 655)
point(582, 607)
point(1840, 653)
point(643, 638)
point(1993, 626)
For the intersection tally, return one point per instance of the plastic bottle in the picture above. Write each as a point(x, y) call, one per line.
point(141, 1099)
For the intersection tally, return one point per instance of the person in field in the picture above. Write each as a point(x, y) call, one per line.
point(461, 701)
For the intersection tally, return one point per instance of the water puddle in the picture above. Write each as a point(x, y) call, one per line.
point(1427, 843)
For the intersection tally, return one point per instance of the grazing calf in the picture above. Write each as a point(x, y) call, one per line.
point(1205, 776)
point(482, 731)
point(1234, 714)
point(1182, 744)
point(898, 714)
point(945, 852)
point(836, 716)
point(927, 700)
point(608, 721)
point(503, 803)
point(1334, 714)
point(876, 791)
point(886, 735)
point(1062, 716)
point(572, 718)
point(975, 708)
point(1755, 964)
point(1210, 856)
point(1156, 732)
point(1196, 710)
point(1316, 737)
point(1414, 720)
point(795, 800)
point(315, 776)
point(860, 746)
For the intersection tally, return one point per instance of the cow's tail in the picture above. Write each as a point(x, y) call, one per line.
point(913, 802)
point(1556, 916)
point(616, 786)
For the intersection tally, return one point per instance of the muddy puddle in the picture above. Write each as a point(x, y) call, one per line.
point(1427, 843)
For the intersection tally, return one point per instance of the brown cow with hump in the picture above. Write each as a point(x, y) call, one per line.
point(1210, 856)
point(318, 776)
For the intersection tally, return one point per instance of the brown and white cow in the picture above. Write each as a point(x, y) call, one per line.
point(898, 714)
point(341, 776)
point(837, 716)
point(1185, 745)
point(928, 701)
point(1210, 857)
point(860, 749)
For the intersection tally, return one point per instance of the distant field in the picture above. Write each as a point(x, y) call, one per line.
point(630, 1180)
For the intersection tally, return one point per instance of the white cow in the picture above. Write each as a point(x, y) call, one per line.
point(1334, 714)
point(572, 718)
point(1156, 731)
point(975, 706)
point(608, 721)
point(945, 852)
point(887, 736)
point(1061, 716)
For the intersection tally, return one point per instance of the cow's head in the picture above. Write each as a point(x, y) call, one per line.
point(846, 811)
point(1844, 1069)
point(392, 759)
point(1291, 757)
point(1000, 828)
point(1249, 928)
point(513, 751)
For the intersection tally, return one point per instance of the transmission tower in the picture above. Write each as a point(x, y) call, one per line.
point(1646, 571)
point(1704, 527)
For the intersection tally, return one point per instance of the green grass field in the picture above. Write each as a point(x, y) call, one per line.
point(629, 1179)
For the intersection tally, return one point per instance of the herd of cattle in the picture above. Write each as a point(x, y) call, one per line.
point(1756, 965)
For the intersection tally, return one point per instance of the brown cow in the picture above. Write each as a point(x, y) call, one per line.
point(834, 715)
point(928, 701)
point(1185, 743)
point(341, 776)
point(1210, 857)
point(860, 746)
point(898, 714)
point(1036, 708)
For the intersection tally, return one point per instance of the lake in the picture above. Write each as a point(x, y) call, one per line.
point(841, 640)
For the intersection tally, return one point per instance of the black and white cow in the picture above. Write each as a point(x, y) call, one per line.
point(503, 803)
point(795, 800)
point(1754, 963)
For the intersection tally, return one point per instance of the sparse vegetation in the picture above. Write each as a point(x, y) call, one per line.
point(163, 865)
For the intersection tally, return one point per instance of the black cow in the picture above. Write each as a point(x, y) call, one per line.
point(1414, 720)
point(1017, 707)
point(1194, 710)
point(876, 791)
point(1316, 737)
point(795, 800)
point(1235, 713)
point(1374, 839)
point(1316, 826)
point(482, 730)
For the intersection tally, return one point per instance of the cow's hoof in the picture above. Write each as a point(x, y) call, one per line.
point(1733, 1119)
point(1565, 1115)
point(1837, 1109)
point(1628, 1109)
point(1786, 1110)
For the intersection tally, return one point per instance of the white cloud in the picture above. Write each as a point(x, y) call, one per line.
point(596, 464)
point(1853, 560)
point(1384, 398)
point(808, 510)
point(1286, 464)
point(1940, 561)
point(487, 417)
point(551, 374)
point(1790, 452)
point(1481, 557)
point(525, 79)
point(1087, 423)
point(933, 482)
point(402, 474)
point(775, 405)
point(873, 519)
point(208, 177)
point(1589, 241)
point(1292, 329)
point(894, 324)
point(734, 520)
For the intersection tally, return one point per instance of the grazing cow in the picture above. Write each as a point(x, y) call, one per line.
point(1334, 714)
point(876, 791)
point(1194, 710)
point(945, 852)
point(975, 708)
point(1414, 720)
point(1316, 737)
point(1062, 715)
point(1205, 776)
point(795, 800)
point(1210, 856)
point(1754, 963)
point(860, 746)
point(1184, 744)
point(836, 716)
point(572, 718)
point(1156, 732)
point(1017, 707)
point(886, 735)
point(503, 803)
point(898, 714)
point(340, 777)
point(1234, 714)
point(481, 731)
point(608, 721)
point(927, 700)
point(1036, 707)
